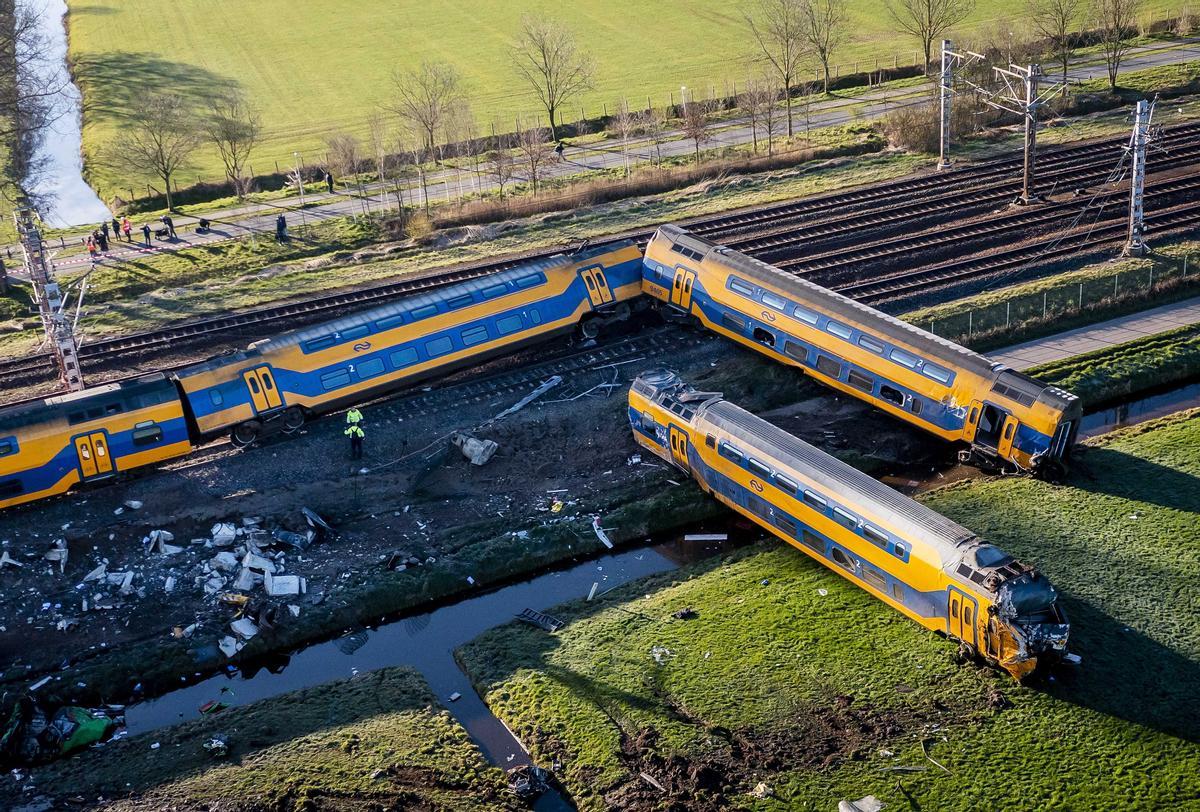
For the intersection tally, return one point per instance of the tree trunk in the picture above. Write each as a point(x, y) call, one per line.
point(787, 97)
point(167, 182)
point(825, 64)
point(553, 127)
point(928, 54)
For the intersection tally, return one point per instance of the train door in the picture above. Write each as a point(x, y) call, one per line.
point(681, 288)
point(972, 421)
point(92, 451)
point(1007, 435)
point(679, 447)
point(260, 381)
point(597, 286)
point(961, 613)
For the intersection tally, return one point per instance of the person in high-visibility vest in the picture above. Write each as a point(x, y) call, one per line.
point(356, 434)
point(354, 417)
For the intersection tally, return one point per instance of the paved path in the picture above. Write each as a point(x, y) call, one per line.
point(443, 185)
point(1099, 336)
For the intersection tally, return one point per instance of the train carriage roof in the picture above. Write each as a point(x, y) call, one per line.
point(916, 521)
point(32, 412)
point(927, 344)
point(416, 301)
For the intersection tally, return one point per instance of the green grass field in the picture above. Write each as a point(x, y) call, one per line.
point(794, 677)
point(317, 66)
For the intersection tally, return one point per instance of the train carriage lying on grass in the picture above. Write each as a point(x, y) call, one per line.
point(49, 446)
point(1006, 419)
point(936, 572)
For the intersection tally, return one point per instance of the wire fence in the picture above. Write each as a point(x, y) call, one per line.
point(1065, 300)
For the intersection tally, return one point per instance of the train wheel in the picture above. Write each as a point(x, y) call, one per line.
point(622, 312)
point(244, 434)
point(293, 419)
point(589, 329)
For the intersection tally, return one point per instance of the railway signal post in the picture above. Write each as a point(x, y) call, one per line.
point(59, 328)
point(950, 61)
point(1135, 245)
point(1021, 97)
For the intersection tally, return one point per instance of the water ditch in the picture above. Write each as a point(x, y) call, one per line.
point(69, 201)
point(1150, 407)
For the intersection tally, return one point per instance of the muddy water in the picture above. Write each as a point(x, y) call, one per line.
point(426, 642)
point(1141, 410)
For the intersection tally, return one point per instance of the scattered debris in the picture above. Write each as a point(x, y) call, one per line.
point(650, 780)
point(350, 643)
point(244, 628)
point(592, 591)
point(546, 386)
point(223, 534)
point(133, 504)
point(686, 614)
point(706, 537)
point(528, 781)
point(600, 534)
point(761, 790)
point(479, 452)
point(300, 541)
point(315, 520)
point(224, 561)
point(931, 761)
point(634, 459)
point(280, 585)
point(1073, 659)
point(660, 654)
point(159, 542)
point(454, 697)
point(58, 553)
point(217, 745)
point(822, 592)
point(7, 560)
point(97, 574)
point(868, 803)
point(229, 646)
point(541, 620)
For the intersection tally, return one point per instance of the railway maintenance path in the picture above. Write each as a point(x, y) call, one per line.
point(1098, 336)
point(843, 107)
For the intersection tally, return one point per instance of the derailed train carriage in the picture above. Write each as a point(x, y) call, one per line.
point(933, 570)
point(1004, 419)
point(49, 446)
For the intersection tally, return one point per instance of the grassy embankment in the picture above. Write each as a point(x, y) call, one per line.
point(313, 84)
point(794, 677)
point(380, 739)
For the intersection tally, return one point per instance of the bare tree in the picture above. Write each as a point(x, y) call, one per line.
point(233, 126)
point(771, 118)
point(654, 125)
point(500, 167)
point(624, 123)
point(695, 123)
point(377, 133)
point(534, 145)
point(928, 20)
point(823, 25)
point(345, 157)
point(546, 56)
point(160, 138)
point(1116, 21)
point(424, 98)
point(1056, 20)
point(779, 32)
point(749, 102)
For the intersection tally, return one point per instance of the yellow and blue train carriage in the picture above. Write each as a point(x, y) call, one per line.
point(933, 570)
point(50, 445)
point(1005, 418)
point(280, 382)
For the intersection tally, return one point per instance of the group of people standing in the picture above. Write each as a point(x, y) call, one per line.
point(97, 241)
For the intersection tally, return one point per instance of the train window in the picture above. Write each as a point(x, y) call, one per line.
point(914, 405)
point(424, 312)
point(648, 422)
point(758, 507)
point(764, 336)
point(738, 286)
point(10, 488)
point(492, 291)
point(8, 446)
point(534, 316)
point(785, 484)
point(815, 501)
point(900, 549)
point(147, 433)
point(254, 387)
point(967, 616)
point(757, 467)
point(390, 322)
point(891, 394)
point(335, 379)
point(266, 379)
point(77, 417)
point(828, 366)
point(459, 301)
point(1008, 431)
point(898, 591)
point(871, 344)
point(875, 535)
point(369, 369)
point(937, 373)
point(840, 330)
point(321, 343)
point(806, 315)
point(860, 381)
point(813, 540)
point(533, 280)
point(875, 578)
point(785, 524)
point(845, 519)
point(842, 559)
point(216, 397)
point(677, 409)
point(904, 359)
point(474, 335)
point(733, 322)
point(772, 300)
point(355, 332)
point(439, 346)
point(730, 453)
point(710, 441)
point(794, 350)
point(508, 324)
point(404, 357)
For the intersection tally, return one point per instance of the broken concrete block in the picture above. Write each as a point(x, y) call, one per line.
point(133, 504)
point(223, 534)
point(868, 803)
point(257, 562)
point(8, 561)
point(278, 585)
point(294, 609)
point(214, 584)
point(247, 579)
point(244, 628)
point(477, 451)
point(169, 585)
point(224, 561)
point(160, 542)
point(127, 583)
point(58, 553)
point(96, 574)
point(229, 646)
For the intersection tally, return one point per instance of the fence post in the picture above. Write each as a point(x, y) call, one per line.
point(1081, 296)
point(1116, 280)
point(931, 323)
point(1045, 293)
point(1151, 277)
point(1007, 311)
point(970, 323)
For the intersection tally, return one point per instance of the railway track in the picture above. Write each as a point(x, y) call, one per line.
point(1058, 163)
